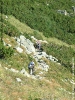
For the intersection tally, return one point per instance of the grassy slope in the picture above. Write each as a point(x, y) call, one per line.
point(20, 26)
point(32, 89)
point(24, 28)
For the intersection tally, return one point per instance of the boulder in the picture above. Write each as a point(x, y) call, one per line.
point(26, 43)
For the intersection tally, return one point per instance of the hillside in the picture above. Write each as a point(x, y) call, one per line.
point(21, 26)
point(57, 80)
point(51, 21)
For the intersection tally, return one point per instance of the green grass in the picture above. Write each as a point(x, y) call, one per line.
point(24, 28)
point(29, 89)
point(20, 26)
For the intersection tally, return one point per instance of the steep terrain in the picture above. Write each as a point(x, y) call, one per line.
point(56, 83)
point(55, 19)
point(22, 24)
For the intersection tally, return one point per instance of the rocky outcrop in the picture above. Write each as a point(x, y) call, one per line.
point(26, 43)
point(37, 55)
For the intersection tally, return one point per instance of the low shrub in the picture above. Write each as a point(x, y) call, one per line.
point(62, 53)
point(5, 52)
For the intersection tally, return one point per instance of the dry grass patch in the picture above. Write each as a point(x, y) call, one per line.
point(9, 40)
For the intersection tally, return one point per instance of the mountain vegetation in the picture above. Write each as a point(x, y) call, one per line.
point(44, 16)
point(50, 20)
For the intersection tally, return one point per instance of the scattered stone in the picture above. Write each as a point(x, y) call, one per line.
point(20, 50)
point(8, 45)
point(33, 77)
point(47, 4)
point(33, 38)
point(6, 16)
point(18, 80)
point(0, 65)
point(23, 71)
point(6, 68)
point(13, 70)
point(45, 41)
point(19, 99)
point(40, 73)
point(26, 43)
point(63, 12)
point(44, 54)
point(72, 82)
point(4, 43)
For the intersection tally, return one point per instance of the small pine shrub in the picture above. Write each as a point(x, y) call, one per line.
point(5, 52)
point(8, 29)
point(27, 36)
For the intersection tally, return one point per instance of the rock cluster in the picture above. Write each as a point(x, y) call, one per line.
point(29, 46)
point(26, 43)
point(37, 55)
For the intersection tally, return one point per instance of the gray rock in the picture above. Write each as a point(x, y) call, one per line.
point(44, 54)
point(14, 70)
point(18, 80)
point(0, 65)
point(23, 71)
point(26, 43)
point(20, 50)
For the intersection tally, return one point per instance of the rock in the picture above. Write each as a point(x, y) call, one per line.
point(40, 73)
point(6, 68)
point(33, 38)
point(72, 82)
point(19, 99)
point(40, 61)
point(4, 43)
point(13, 70)
point(55, 59)
point(6, 16)
point(45, 41)
point(43, 66)
point(26, 43)
point(26, 74)
point(47, 4)
point(0, 65)
point(9, 45)
point(44, 54)
point(50, 57)
point(18, 80)
point(46, 68)
point(20, 50)
point(23, 71)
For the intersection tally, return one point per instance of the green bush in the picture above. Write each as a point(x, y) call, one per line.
point(8, 29)
point(45, 18)
point(37, 35)
point(28, 36)
point(62, 53)
point(5, 52)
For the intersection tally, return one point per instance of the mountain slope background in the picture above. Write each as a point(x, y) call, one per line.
point(42, 20)
point(44, 16)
